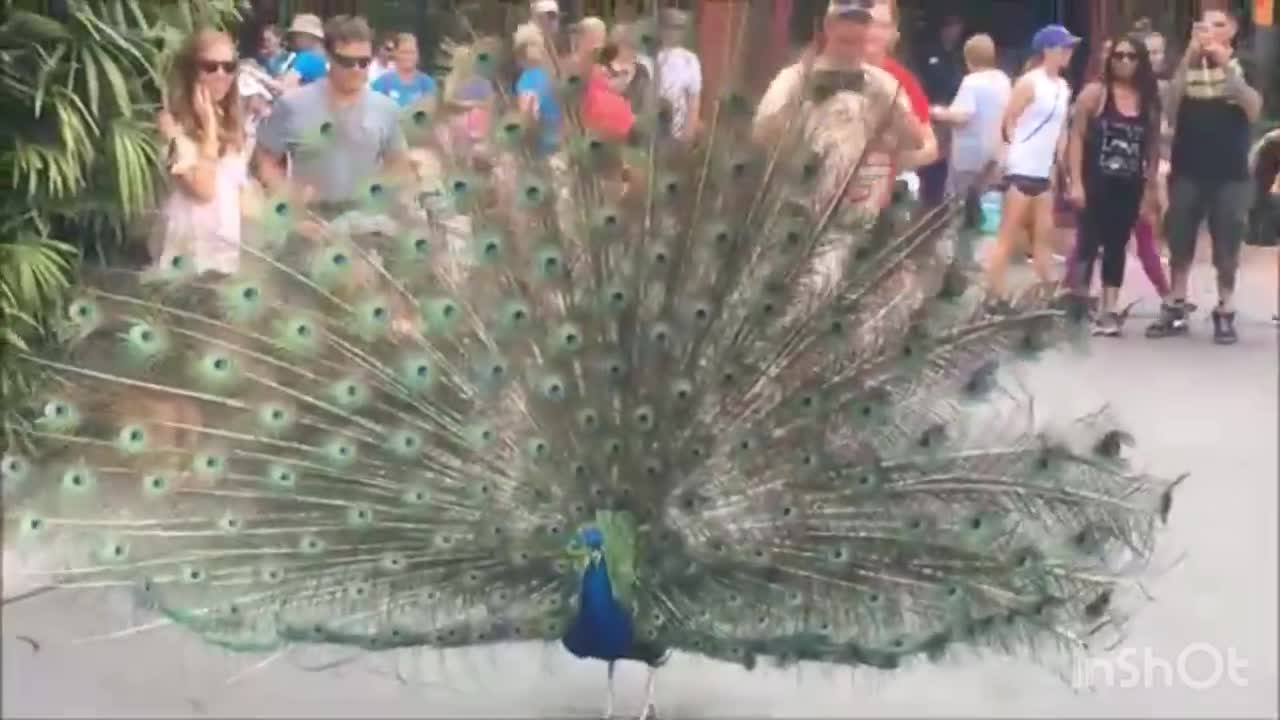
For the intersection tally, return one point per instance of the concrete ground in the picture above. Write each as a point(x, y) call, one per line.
point(1197, 408)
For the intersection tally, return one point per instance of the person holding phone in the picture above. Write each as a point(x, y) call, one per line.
point(203, 128)
point(1213, 107)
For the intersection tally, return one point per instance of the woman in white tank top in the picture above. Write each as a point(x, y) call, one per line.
point(1032, 128)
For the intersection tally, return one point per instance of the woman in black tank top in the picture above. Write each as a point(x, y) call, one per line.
point(1115, 145)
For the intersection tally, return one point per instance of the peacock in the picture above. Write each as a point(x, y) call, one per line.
point(636, 397)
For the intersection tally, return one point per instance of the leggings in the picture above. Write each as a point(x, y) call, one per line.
point(1108, 218)
point(1148, 254)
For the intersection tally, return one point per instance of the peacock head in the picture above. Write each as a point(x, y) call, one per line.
point(594, 540)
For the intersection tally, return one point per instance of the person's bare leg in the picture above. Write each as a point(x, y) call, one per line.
point(1013, 217)
point(1042, 236)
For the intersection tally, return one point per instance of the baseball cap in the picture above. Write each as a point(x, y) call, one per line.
point(307, 24)
point(538, 7)
point(851, 9)
point(1051, 37)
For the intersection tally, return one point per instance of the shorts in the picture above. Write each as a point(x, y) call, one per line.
point(1224, 203)
point(1029, 186)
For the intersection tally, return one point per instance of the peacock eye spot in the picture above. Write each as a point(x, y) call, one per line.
point(660, 258)
point(303, 330)
point(277, 415)
point(459, 186)
point(83, 311)
point(571, 339)
point(282, 208)
point(491, 248)
point(326, 128)
point(420, 116)
point(618, 296)
point(975, 524)
point(375, 189)
point(379, 313)
point(447, 310)
point(220, 364)
point(531, 193)
point(135, 436)
point(420, 244)
point(249, 293)
point(35, 523)
point(787, 511)
point(146, 336)
point(176, 263)
point(339, 259)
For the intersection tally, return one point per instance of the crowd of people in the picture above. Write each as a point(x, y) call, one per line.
point(1146, 146)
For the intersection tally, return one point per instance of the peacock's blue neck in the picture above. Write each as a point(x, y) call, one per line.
point(602, 627)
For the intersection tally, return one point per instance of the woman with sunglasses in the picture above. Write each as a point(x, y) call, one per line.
point(1114, 149)
point(204, 128)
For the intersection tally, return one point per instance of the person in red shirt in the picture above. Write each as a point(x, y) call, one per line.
point(880, 42)
point(605, 112)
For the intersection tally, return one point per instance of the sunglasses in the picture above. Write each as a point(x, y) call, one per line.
point(209, 67)
point(1124, 55)
point(350, 62)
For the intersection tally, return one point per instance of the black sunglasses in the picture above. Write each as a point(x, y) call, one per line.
point(1124, 55)
point(349, 62)
point(209, 67)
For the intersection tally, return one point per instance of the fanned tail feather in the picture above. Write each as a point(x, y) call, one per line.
point(389, 434)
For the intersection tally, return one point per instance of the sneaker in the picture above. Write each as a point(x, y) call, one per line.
point(1107, 325)
point(1172, 321)
point(1224, 327)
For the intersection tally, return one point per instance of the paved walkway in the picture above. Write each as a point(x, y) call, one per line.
point(1197, 408)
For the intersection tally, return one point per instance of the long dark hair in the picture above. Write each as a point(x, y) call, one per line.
point(1144, 77)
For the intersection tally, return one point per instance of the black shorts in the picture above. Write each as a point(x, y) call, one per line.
point(1027, 185)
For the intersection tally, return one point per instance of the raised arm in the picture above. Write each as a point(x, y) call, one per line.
point(1239, 90)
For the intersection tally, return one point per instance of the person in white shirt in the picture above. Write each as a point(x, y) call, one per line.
point(974, 116)
point(1032, 127)
point(203, 126)
point(679, 75)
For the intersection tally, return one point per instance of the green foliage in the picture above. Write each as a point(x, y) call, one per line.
point(79, 86)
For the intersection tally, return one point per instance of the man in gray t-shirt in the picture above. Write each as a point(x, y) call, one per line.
point(336, 132)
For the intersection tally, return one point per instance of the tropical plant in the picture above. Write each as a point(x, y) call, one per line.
point(80, 81)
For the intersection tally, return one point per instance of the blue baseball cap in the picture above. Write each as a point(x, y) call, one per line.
point(859, 10)
point(1052, 37)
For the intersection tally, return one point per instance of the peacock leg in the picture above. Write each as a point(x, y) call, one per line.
point(650, 710)
point(608, 702)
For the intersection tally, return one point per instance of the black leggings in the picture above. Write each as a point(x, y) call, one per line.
point(1110, 212)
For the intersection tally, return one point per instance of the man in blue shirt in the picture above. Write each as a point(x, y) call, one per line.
point(307, 62)
point(405, 83)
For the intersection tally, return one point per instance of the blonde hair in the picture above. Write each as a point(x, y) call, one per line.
point(404, 37)
point(529, 43)
point(591, 24)
point(980, 52)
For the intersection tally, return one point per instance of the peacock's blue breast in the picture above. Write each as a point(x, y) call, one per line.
point(602, 628)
